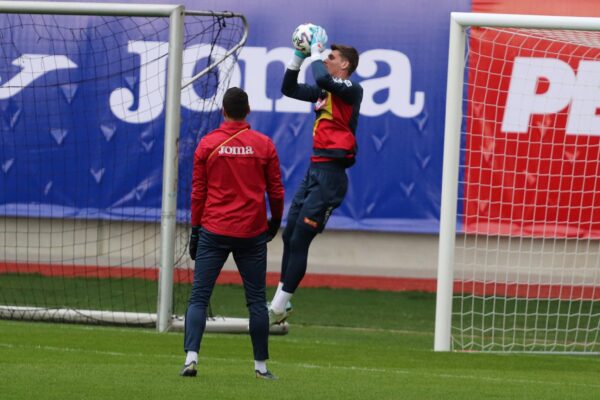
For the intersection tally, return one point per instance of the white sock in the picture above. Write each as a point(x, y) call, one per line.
point(191, 356)
point(279, 288)
point(280, 300)
point(260, 366)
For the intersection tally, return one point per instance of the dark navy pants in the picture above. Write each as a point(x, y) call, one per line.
point(250, 256)
point(322, 190)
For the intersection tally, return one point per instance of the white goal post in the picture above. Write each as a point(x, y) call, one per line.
point(518, 266)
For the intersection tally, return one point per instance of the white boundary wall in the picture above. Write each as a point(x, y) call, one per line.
point(99, 242)
point(353, 253)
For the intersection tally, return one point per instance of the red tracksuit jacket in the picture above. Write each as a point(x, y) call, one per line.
point(234, 167)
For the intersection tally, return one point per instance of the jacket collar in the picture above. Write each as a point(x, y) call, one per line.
point(232, 127)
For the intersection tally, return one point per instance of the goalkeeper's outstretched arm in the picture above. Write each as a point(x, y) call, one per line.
point(290, 86)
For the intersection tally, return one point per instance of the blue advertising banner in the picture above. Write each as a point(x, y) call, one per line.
point(394, 186)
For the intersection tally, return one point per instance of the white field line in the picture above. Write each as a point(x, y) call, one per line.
point(329, 367)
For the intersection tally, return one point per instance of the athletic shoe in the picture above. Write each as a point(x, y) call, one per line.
point(190, 370)
point(265, 375)
point(275, 318)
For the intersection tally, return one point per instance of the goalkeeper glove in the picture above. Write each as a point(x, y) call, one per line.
point(296, 62)
point(274, 225)
point(194, 237)
point(319, 40)
point(300, 54)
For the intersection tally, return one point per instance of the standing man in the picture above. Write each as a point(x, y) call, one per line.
point(234, 166)
point(337, 103)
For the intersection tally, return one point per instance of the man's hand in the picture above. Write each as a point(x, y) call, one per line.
point(319, 39)
point(274, 225)
point(193, 247)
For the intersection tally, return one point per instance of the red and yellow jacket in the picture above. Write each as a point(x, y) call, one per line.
point(337, 105)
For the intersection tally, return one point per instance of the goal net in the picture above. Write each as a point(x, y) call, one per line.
point(519, 266)
point(84, 129)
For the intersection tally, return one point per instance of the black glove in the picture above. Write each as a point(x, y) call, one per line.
point(194, 241)
point(274, 225)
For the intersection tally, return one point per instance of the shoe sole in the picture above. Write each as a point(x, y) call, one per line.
point(189, 372)
point(270, 377)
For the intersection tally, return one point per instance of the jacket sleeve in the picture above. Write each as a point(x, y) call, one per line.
point(275, 190)
point(198, 186)
point(344, 89)
point(300, 91)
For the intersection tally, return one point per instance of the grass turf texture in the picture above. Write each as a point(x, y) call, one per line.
point(526, 324)
point(342, 344)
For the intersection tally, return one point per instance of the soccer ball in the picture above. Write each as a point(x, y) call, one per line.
point(302, 37)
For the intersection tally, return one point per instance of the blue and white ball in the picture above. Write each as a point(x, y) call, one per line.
point(302, 37)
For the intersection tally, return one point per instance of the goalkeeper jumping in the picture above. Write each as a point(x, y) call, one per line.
point(337, 103)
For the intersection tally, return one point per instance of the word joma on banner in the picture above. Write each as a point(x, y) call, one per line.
point(150, 97)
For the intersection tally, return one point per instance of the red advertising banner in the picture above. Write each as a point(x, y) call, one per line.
point(532, 158)
point(576, 8)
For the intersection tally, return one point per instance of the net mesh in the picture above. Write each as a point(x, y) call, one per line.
point(82, 104)
point(527, 262)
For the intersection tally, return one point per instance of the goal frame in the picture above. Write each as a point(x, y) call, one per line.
point(459, 21)
point(163, 319)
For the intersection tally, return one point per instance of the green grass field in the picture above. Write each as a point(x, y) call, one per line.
point(342, 344)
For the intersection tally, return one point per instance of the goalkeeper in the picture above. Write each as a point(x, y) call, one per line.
point(234, 166)
point(337, 103)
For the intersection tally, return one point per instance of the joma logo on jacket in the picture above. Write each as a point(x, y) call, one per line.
point(236, 150)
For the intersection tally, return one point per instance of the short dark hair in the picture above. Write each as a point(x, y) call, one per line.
point(349, 54)
point(235, 103)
